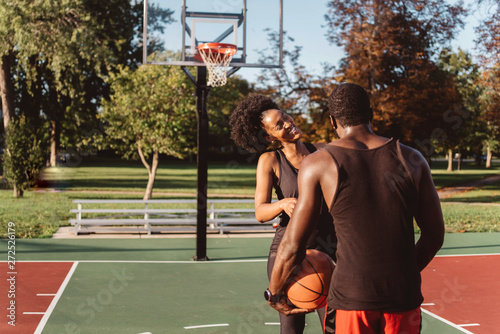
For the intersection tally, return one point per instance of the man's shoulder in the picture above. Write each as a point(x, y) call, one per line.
point(316, 162)
point(412, 156)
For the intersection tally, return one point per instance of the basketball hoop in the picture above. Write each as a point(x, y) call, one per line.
point(217, 57)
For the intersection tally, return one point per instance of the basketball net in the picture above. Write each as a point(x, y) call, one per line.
point(217, 57)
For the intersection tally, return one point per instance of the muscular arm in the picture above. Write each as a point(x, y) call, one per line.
point(428, 214)
point(292, 248)
point(264, 209)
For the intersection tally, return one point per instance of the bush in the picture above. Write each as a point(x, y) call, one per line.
point(24, 155)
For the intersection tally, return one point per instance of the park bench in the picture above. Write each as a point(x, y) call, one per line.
point(174, 216)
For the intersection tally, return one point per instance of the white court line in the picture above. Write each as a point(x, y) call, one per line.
point(446, 321)
point(469, 325)
point(33, 312)
point(272, 323)
point(428, 304)
point(451, 255)
point(206, 326)
point(45, 294)
point(210, 261)
point(154, 262)
point(53, 304)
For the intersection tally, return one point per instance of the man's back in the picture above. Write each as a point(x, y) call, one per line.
point(373, 209)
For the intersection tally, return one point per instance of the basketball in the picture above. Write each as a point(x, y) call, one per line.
point(309, 287)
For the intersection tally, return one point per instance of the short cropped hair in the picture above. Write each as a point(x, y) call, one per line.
point(246, 123)
point(349, 105)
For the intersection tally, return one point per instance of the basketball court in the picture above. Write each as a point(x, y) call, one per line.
point(153, 286)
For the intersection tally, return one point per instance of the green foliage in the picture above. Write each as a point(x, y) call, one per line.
point(24, 156)
point(469, 134)
point(221, 102)
point(152, 109)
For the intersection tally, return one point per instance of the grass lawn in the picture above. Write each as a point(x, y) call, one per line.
point(40, 213)
point(173, 177)
point(469, 172)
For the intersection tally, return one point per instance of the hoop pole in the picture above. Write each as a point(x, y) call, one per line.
point(183, 18)
point(202, 92)
point(281, 33)
point(244, 54)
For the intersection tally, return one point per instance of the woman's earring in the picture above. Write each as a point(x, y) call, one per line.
point(275, 144)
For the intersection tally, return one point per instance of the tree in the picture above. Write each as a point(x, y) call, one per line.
point(467, 135)
point(389, 46)
point(36, 32)
point(298, 92)
point(221, 102)
point(61, 51)
point(489, 45)
point(151, 111)
point(24, 156)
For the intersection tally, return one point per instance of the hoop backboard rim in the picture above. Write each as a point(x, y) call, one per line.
point(234, 63)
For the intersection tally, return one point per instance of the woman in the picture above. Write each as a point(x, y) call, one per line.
point(256, 123)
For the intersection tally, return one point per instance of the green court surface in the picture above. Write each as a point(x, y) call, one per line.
point(152, 286)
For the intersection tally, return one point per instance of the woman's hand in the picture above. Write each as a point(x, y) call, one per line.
point(287, 205)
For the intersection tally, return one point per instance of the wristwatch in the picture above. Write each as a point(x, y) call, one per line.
point(272, 298)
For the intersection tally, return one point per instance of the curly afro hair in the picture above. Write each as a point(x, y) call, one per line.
point(246, 123)
point(349, 104)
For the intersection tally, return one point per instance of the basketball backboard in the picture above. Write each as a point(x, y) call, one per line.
point(174, 28)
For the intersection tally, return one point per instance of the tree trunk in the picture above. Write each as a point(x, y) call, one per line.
point(18, 192)
point(152, 177)
point(54, 140)
point(151, 171)
point(489, 156)
point(7, 89)
point(450, 160)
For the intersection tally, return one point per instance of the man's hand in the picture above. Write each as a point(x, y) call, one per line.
point(282, 307)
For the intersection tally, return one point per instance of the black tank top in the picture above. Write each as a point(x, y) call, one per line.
point(373, 213)
point(286, 186)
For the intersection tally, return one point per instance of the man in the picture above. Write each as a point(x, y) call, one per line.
point(374, 187)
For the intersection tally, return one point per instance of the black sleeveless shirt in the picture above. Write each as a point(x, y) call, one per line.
point(286, 186)
point(373, 212)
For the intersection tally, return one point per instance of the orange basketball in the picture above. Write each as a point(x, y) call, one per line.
point(309, 287)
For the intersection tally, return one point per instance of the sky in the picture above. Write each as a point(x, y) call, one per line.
point(306, 24)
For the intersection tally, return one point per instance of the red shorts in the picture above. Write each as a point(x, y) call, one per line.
point(368, 322)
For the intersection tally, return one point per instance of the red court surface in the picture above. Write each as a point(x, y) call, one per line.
point(32, 286)
point(464, 290)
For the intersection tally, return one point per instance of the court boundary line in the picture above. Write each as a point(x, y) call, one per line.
point(55, 300)
point(210, 261)
point(206, 326)
point(460, 255)
point(445, 321)
point(137, 261)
